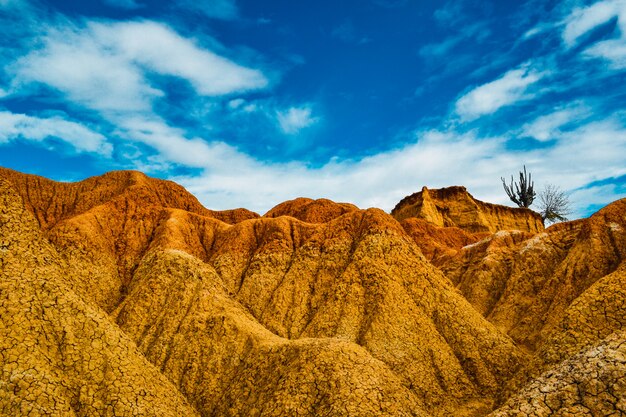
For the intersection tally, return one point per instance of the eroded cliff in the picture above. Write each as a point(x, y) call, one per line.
point(455, 207)
point(128, 286)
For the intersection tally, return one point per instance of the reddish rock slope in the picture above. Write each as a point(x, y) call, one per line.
point(271, 316)
point(454, 206)
point(317, 308)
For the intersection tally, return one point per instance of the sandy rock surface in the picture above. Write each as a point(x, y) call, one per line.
point(122, 295)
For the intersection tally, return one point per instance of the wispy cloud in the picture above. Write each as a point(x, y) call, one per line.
point(505, 91)
point(450, 13)
point(612, 50)
point(347, 32)
point(582, 20)
point(20, 126)
point(11, 3)
point(88, 74)
point(294, 119)
point(547, 127)
point(109, 68)
point(105, 66)
point(173, 146)
point(434, 158)
point(439, 49)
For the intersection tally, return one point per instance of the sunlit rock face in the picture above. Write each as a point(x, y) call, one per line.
point(123, 295)
point(455, 207)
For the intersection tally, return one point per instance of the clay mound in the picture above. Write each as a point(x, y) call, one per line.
point(60, 356)
point(438, 244)
point(595, 314)
point(316, 308)
point(529, 284)
point(226, 363)
point(52, 202)
point(357, 278)
point(590, 383)
point(357, 284)
point(269, 266)
point(455, 207)
point(104, 224)
point(311, 211)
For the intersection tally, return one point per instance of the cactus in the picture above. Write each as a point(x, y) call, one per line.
point(523, 194)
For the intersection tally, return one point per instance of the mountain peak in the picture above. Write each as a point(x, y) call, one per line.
point(129, 287)
point(456, 207)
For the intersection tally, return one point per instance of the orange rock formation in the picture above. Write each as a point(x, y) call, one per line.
point(122, 295)
point(454, 206)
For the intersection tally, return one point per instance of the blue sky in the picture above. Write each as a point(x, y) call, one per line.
point(249, 103)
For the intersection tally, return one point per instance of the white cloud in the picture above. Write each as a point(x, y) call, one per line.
point(162, 50)
point(79, 66)
point(546, 128)
point(505, 91)
point(242, 105)
point(104, 66)
point(582, 20)
point(216, 9)
point(435, 159)
point(294, 119)
point(380, 180)
point(613, 50)
point(598, 196)
point(14, 126)
point(531, 33)
point(236, 103)
point(174, 147)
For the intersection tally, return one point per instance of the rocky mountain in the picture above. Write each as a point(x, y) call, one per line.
point(455, 207)
point(123, 295)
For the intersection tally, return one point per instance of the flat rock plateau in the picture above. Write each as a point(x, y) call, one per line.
point(121, 295)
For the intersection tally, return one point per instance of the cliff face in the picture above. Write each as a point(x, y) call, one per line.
point(455, 207)
point(527, 286)
point(59, 354)
point(268, 316)
point(126, 286)
point(560, 295)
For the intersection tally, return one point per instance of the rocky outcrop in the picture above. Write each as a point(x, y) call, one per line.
point(438, 244)
point(58, 354)
point(590, 383)
point(555, 293)
point(272, 316)
point(455, 207)
point(51, 201)
point(128, 287)
point(311, 211)
point(527, 285)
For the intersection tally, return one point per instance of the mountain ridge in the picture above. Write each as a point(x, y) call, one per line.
point(244, 314)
